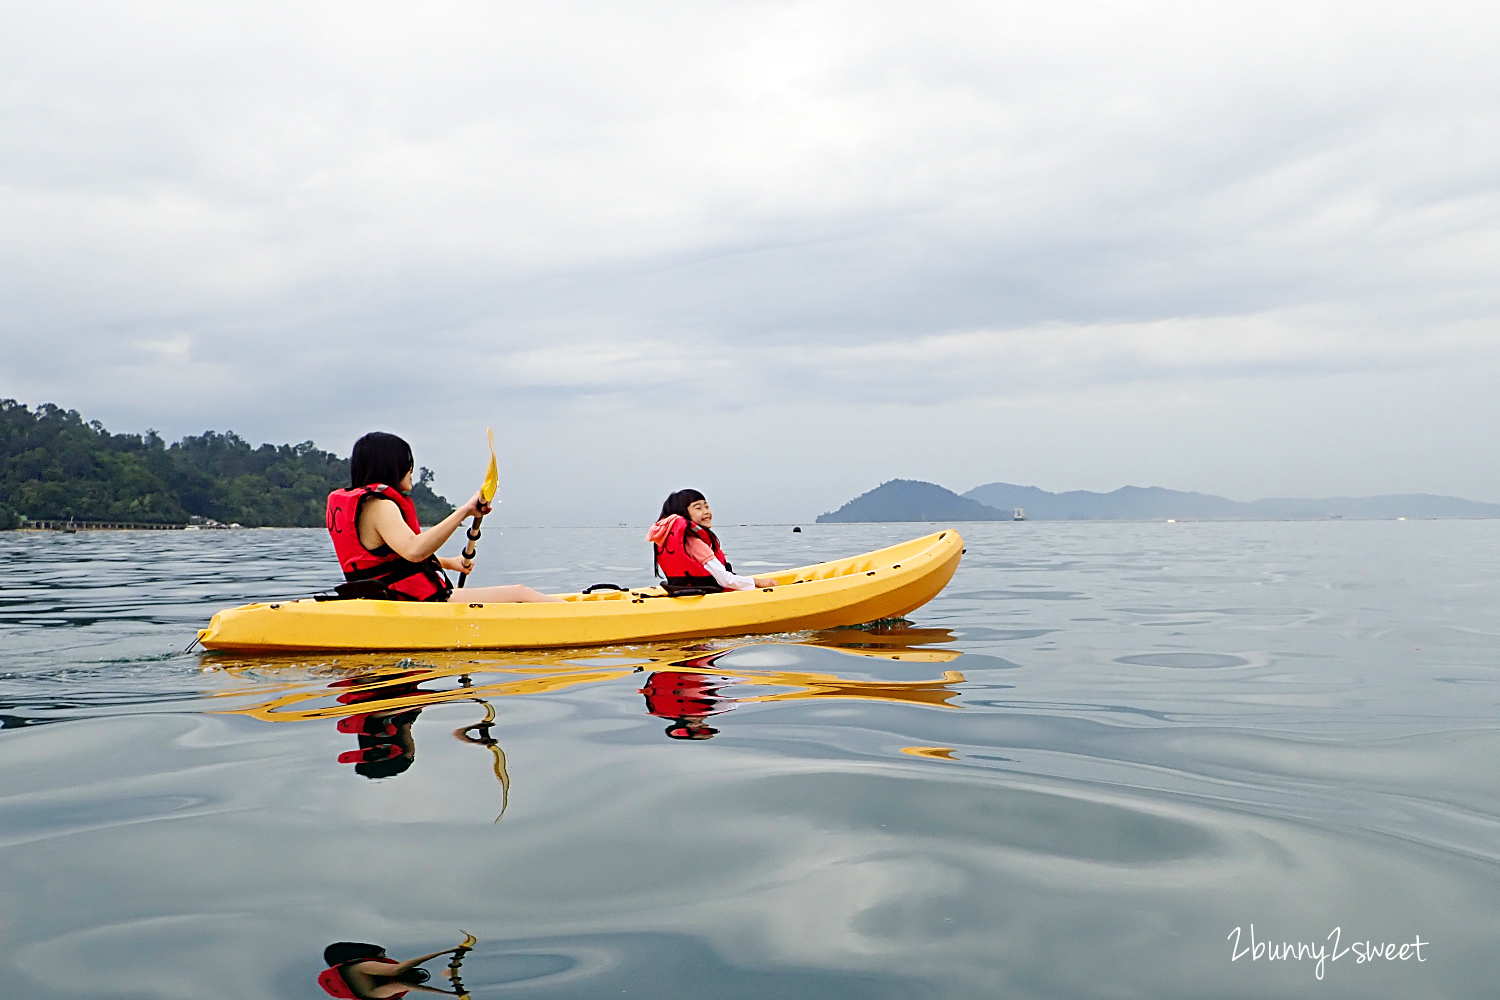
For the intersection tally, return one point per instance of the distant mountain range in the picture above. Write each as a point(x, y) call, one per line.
point(912, 500)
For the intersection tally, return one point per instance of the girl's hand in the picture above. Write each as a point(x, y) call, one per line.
point(764, 581)
point(457, 564)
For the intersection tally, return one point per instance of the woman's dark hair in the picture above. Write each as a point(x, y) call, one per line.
point(379, 457)
point(387, 767)
point(343, 952)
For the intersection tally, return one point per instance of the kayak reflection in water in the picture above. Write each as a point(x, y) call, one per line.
point(688, 699)
point(358, 971)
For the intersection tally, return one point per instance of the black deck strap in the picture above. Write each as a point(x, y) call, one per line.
point(601, 586)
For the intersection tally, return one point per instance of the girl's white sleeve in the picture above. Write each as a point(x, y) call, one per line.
point(726, 579)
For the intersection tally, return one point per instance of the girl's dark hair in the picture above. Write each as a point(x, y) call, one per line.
point(680, 730)
point(379, 457)
point(343, 952)
point(677, 503)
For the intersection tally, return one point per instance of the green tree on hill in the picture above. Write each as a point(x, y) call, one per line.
point(55, 465)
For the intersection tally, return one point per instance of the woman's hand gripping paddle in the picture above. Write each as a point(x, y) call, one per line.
point(487, 491)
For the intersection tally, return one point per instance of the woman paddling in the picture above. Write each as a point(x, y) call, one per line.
point(358, 971)
point(381, 546)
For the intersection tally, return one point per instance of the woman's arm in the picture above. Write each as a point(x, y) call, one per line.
point(386, 969)
point(392, 989)
point(385, 518)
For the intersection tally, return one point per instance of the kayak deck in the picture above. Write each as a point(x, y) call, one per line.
point(885, 583)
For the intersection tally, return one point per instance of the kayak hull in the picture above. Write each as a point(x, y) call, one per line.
point(886, 583)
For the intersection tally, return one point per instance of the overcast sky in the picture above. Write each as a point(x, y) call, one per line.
point(781, 251)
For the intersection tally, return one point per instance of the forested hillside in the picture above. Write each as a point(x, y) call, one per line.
point(54, 464)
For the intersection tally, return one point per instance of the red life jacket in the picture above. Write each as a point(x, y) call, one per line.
point(335, 985)
point(681, 569)
point(409, 581)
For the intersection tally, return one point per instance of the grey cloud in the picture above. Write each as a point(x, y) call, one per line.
point(289, 223)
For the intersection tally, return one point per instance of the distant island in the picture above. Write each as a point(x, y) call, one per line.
point(54, 466)
point(912, 500)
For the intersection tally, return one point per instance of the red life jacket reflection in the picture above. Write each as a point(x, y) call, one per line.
point(335, 985)
point(674, 694)
point(671, 538)
point(411, 581)
point(379, 732)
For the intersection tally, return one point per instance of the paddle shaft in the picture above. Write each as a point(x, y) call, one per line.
point(473, 536)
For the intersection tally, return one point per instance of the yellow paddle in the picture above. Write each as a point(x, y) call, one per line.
point(487, 493)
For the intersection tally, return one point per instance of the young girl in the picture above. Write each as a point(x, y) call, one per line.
point(377, 536)
point(687, 551)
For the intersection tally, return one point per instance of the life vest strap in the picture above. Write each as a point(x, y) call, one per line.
point(389, 572)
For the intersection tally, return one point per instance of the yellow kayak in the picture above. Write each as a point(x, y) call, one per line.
point(886, 583)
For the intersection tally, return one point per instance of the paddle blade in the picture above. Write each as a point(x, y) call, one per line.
point(492, 474)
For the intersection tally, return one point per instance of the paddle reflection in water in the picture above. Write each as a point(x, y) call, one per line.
point(481, 737)
point(360, 971)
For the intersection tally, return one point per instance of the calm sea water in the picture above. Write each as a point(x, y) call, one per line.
point(1086, 770)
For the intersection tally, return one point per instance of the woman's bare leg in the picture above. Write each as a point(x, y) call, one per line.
point(514, 594)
